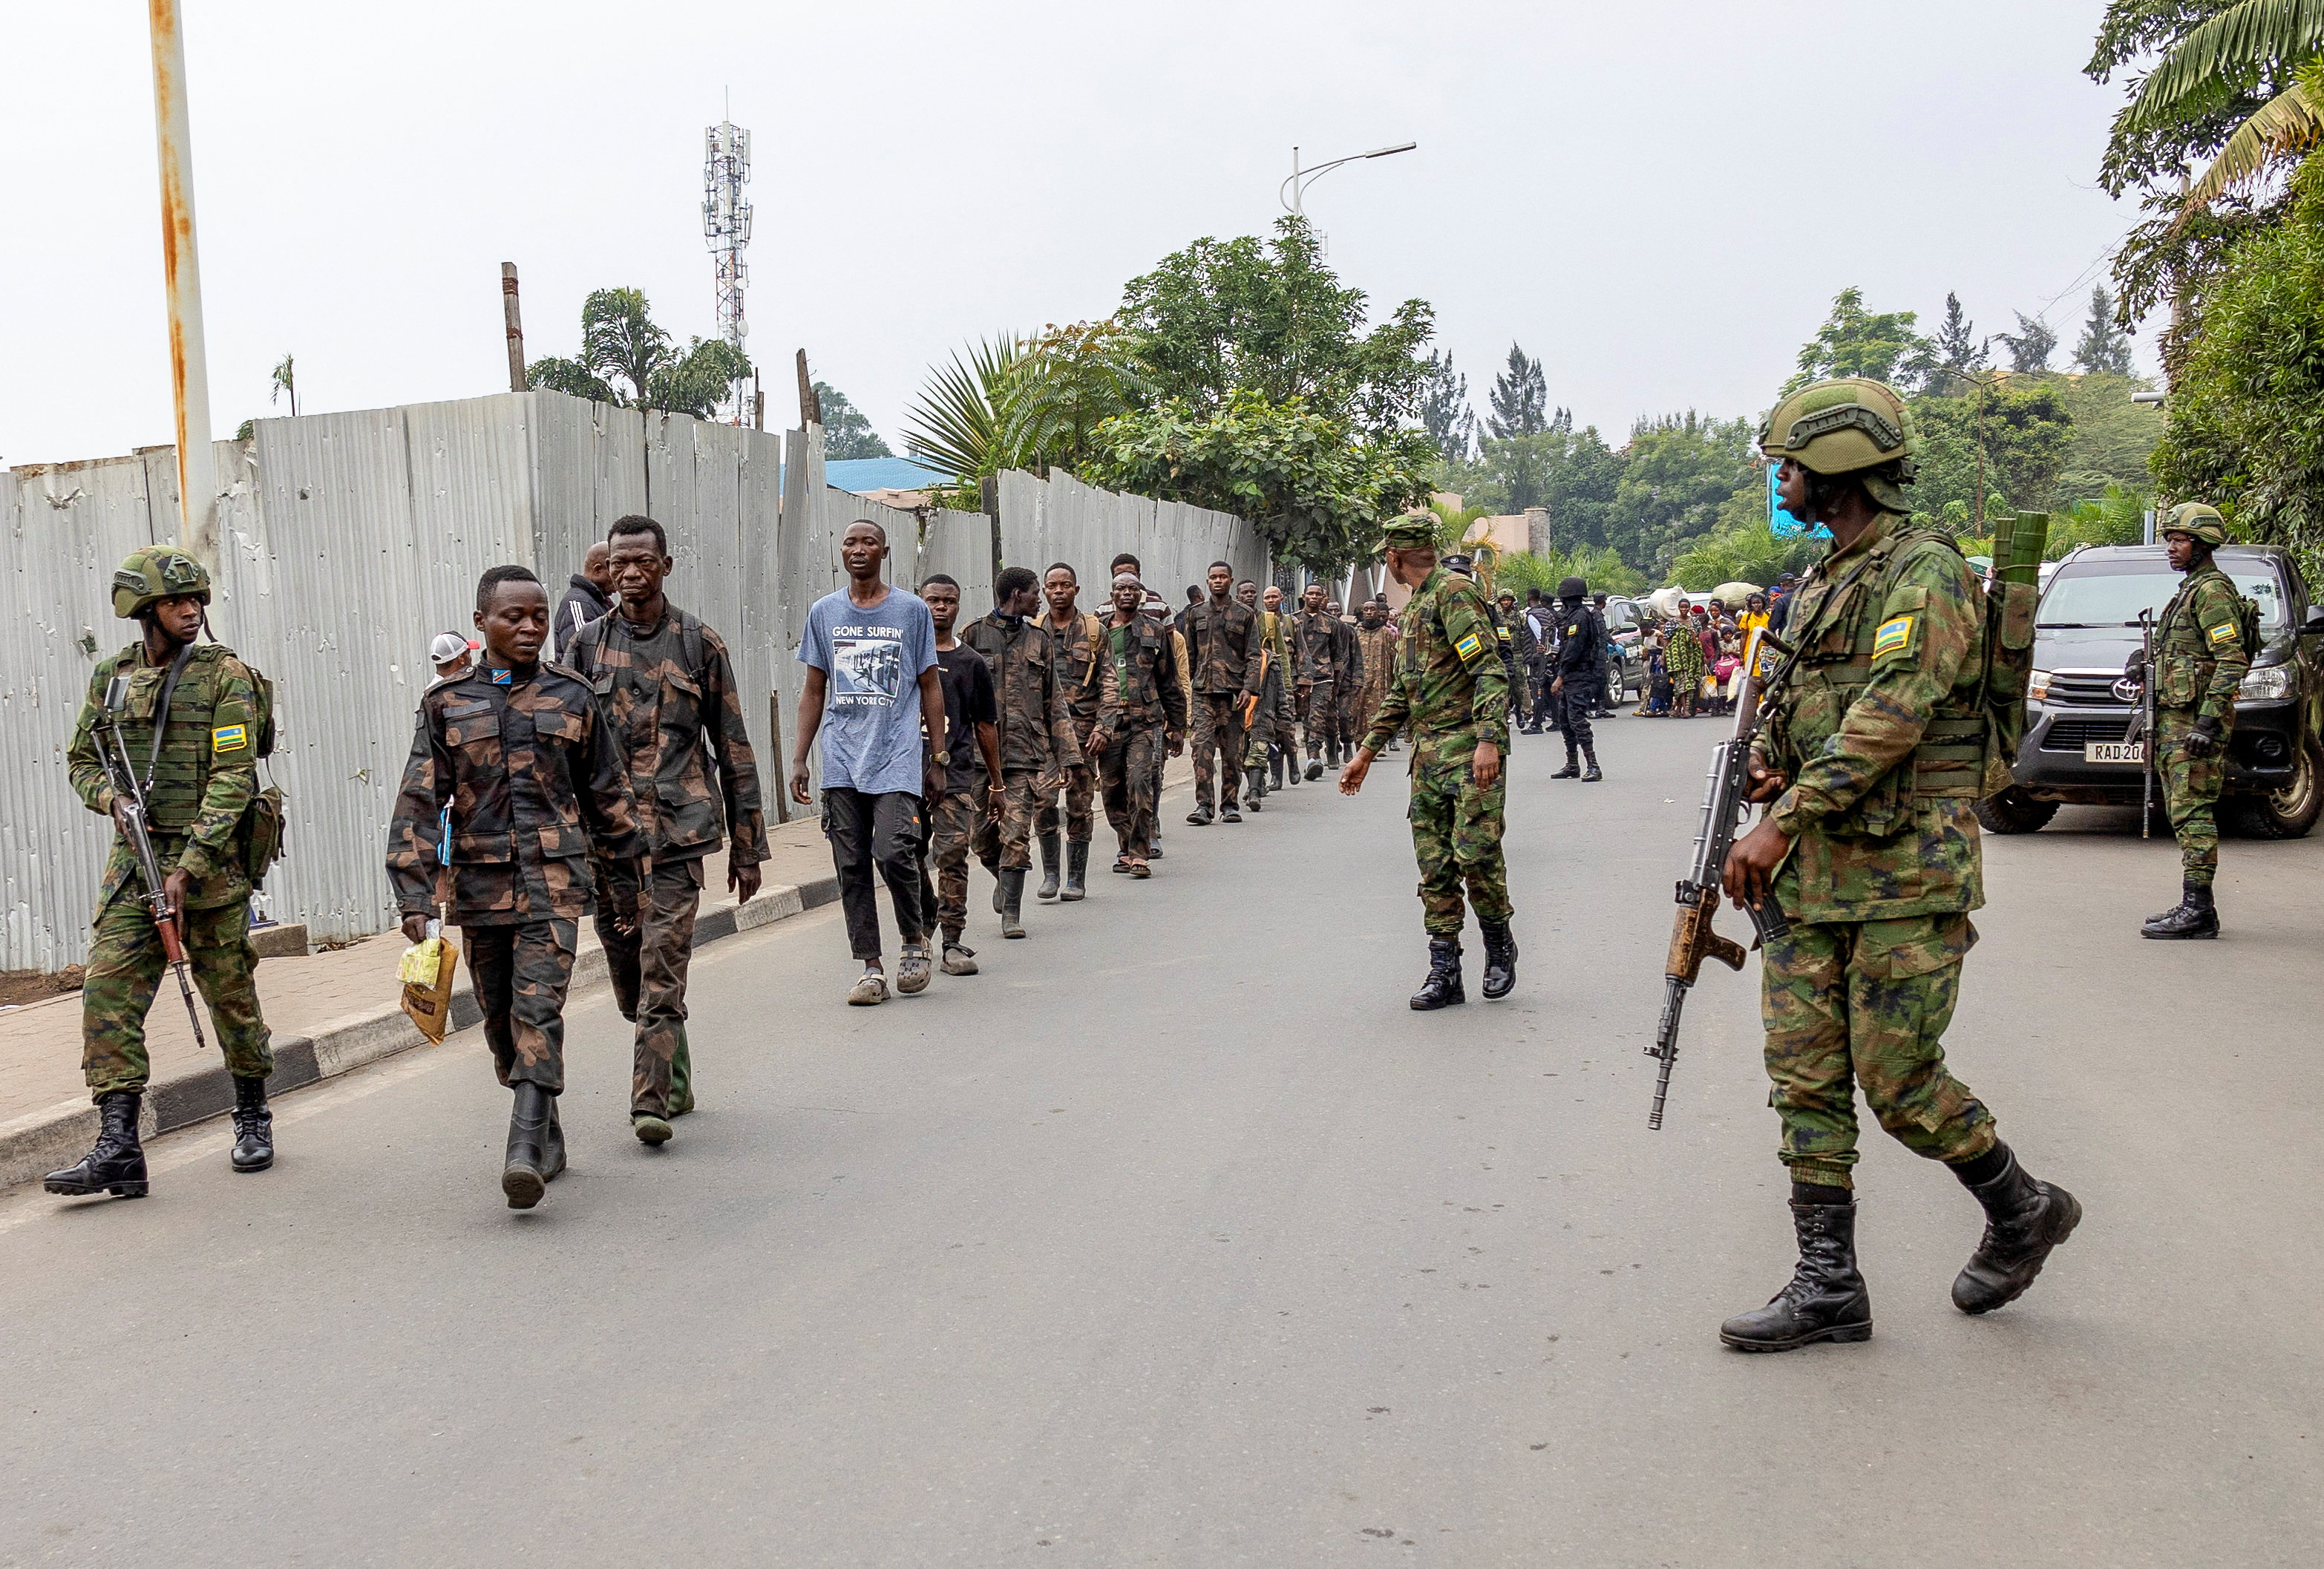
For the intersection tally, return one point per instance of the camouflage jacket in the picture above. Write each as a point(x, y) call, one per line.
point(1376, 654)
point(530, 771)
point(1316, 650)
point(667, 692)
point(2199, 649)
point(1449, 679)
point(1224, 642)
point(1079, 664)
point(1140, 682)
point(1518, 642)
point(202, 781)
point(1035, 734)
point(1880, 731)
point(1185, 667)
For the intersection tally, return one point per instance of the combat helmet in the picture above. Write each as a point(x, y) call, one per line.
point(1848, 426)
point(2197, 522)
point(155, 573)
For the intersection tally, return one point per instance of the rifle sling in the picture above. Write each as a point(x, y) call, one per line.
point(161, 714)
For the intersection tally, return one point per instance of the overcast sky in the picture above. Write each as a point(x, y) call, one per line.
point(1659, 197)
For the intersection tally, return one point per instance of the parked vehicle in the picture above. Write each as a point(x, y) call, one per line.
point(1626, 671)
point(2079, 706)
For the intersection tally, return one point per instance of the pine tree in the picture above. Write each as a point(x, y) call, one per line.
point(2104, 348)
point(2032, 345)
point(1445, 411)
point(1520, 399)
point(1961, 353)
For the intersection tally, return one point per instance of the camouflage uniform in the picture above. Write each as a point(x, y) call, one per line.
point(1077, 682)
point(2199, 663)
point(1138, 687)
point(1517, 649)
point(1452, 688)
point(1222, 643)
point(1035, 734)
point(1270, 722)
point(665, 691)
point(1161, 747)
point(200, 786)
point(1317, 659)
point(1376, 656)
point(532, 773)
point(1880, 735)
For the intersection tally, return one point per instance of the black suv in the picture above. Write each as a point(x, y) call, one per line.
point(2078, 708)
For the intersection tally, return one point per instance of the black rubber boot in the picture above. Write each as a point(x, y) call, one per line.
point(116, 1163)
point(1572, 769)
point(1254, 788)
point(1314, 767)
point(1012, 902)
point(1443, 988)
point(552, 1145)
point(1229, 812)
point(1048, 889)
point(522, 1169)
point(253, 1126)
point(1500, 960)
point(2024, 1220)
point(1590, 775)
point(1275, 767)
point(1076, 871)
point(994, 868)
point(2196, 916)
point(1826, 1299)
point(1200, 818)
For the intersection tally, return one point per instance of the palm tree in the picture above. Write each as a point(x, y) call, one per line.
point(2201, 69)
point(286, 382)
point(957, 424)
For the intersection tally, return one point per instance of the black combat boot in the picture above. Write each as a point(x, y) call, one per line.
point(1590, 775)
point(994, 868)
point(1254, 788)
point(116, 1163)
point(253, 1126)
point(1048, 867)
point(1275, 768)
point(552, 1145)
point(1500, 960)
point(2024, 1220)
point(522, 1169)
point(1572, 769)
point(1229, 812)
point(1076, 871)
point(1443, 987)
point(1826, 1299)
point(1012, 902)
point(1200, 818)
point(2196, 916)
point(1314, 767)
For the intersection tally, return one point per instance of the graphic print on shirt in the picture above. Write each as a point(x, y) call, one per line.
point(867, 666)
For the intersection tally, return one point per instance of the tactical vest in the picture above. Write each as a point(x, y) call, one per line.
point(180, 767)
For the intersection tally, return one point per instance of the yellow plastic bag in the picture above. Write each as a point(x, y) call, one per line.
point(427, 970)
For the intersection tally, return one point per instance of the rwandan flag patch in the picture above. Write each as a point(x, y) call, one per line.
point(1895, 633)
point(229, 738)
point(1469, 646)
point(2225, 633)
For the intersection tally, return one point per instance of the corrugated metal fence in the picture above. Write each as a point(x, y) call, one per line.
point(347, 540)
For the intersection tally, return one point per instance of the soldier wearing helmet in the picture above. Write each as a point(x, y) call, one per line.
point(1870, 760)
point(2200, 661)
point(192, 726)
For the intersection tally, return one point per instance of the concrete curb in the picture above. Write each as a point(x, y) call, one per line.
point(39, 1142)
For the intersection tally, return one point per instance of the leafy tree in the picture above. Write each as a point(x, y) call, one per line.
point(954, 425)
point(1857, 342)
point(1064, 385)
point(2031, 345)
point(1751, 552)
point(2112, 436)
point(1960, 353)
point(1445, 411)
point(1604, 570)
point(286, 384)
point(1520, 399)
point(620, 339)
point(2104, 348)
point(1678, 472)
point(846, 433)
point(2022, 427)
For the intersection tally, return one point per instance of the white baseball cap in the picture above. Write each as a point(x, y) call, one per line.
point(449, 646)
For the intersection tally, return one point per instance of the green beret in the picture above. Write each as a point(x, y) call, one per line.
point(1408, 533)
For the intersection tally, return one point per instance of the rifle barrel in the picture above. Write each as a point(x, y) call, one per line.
point(1666, 1045)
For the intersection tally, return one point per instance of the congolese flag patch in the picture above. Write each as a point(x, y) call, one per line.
point(1469, 646)
point(229, 738)
point(2224, 634)
point(1895, 633)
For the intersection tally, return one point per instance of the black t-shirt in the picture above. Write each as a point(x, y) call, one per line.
point(967, 682)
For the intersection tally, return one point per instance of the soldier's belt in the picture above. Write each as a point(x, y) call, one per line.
point(1950, 759)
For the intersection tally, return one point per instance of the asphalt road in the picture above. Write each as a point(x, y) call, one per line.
point(1175, 1238)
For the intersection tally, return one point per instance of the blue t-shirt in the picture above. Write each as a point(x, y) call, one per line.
point(871, 710)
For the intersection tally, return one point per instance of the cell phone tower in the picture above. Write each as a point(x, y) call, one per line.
point(726, 225)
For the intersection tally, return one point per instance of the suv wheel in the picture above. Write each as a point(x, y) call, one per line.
point(1615, 688)
point(2014, 812)
point(2286, 814)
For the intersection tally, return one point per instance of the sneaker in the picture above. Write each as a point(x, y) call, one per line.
point(959, 960)
point(912, 969)
point(870, 989)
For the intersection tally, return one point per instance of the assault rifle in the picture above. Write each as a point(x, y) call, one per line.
point(2144, 722)
point(1724, 809)
point(129, 811)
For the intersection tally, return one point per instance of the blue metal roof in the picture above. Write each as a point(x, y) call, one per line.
point(859, 474)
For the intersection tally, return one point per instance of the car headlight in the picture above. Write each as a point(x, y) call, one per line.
point(2039, 688)
point(2267, 684)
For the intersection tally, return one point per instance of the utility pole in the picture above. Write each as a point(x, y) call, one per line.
point(181, 269)
point(810, 406)
point(516, 326)
point(758, 401)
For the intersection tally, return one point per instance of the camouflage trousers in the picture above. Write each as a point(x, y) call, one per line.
point(126, 967)
point(1269, 722)
point(1456, 833)
point(1080, 790)
point(1218, 728)
point(1127, 772)
point(648, 969)
point(1005, 836)
point(951, 824)
point(1319, 718)
point(2191, 792)
point(1866, 1004)
point(1520, 693)
point(521, 973)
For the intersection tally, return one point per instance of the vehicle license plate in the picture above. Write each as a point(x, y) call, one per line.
point(2114, 751)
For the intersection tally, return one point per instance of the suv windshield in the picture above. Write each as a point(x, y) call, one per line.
point(2113, 593)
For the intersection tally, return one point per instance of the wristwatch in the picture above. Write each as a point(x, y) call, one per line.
point(944, 760)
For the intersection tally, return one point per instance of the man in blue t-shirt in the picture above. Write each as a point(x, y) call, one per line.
point(870, 654)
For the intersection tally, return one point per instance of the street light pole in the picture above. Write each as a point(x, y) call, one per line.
point(1301, 178)
point(181, 268)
